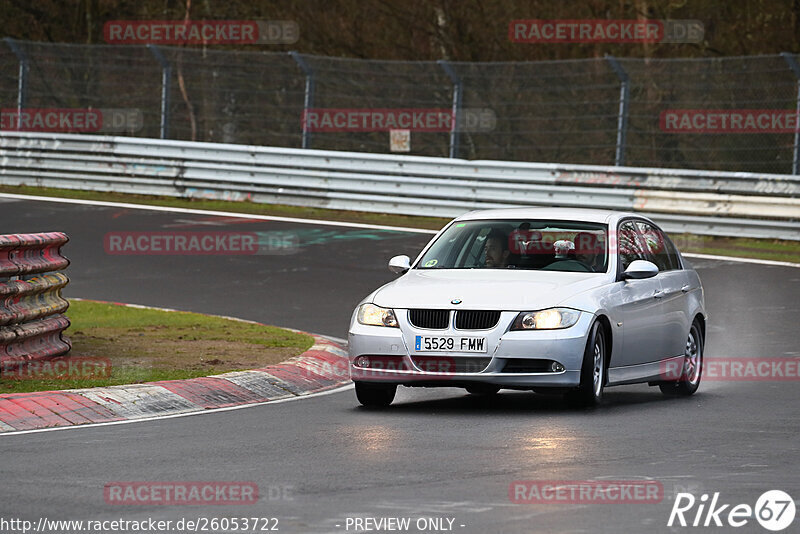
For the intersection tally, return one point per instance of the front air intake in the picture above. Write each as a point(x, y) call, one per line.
point(476, 320)
point(527, 365)
point(430, 319)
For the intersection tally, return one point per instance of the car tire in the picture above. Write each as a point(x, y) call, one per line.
point(485, 390)
point(375, 395)
point(692, 370)
point(593, 370)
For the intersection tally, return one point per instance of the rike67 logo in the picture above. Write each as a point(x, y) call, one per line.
point(774, 510)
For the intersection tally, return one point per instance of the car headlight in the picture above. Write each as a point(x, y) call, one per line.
point(370, 314)
point(549, 319)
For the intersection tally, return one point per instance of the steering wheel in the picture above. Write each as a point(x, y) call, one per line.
point(573, 262)
point(589, 268)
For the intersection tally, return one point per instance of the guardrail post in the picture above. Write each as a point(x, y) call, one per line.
point(456, 110)
point(622, 116)
point(22, 85)
point(308, 98)
point(166, 73)
point(796, 153)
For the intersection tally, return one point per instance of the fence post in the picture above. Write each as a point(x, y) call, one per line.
point(308, 98)
point(622, 116)
point(796, 153)
point(22, 85)
point(456, 109)
point(166, 73)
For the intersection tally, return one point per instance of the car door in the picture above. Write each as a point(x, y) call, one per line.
point(639, 306)
point(674, 285)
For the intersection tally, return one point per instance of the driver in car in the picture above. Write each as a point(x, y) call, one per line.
point(496, 250)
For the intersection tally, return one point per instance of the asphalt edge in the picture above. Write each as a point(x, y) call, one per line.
point(321, 368)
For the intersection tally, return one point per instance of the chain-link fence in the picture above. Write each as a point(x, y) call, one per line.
point(602, 111)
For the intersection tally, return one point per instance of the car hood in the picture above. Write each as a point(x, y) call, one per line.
point(483, 289)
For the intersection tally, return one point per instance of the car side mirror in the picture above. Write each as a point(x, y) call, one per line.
point(639, 269)
point(400, 264)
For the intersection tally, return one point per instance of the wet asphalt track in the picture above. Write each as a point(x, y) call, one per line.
point(438, 453)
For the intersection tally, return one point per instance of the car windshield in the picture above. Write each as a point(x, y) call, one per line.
point(520, 244)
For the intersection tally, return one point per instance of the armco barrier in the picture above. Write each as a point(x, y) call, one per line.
point(703, 202)
point(31, 306)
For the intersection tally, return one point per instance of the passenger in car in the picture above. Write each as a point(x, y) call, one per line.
point(564, 251)
point(563, 248)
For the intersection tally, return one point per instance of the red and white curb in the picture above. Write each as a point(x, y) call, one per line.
point(321, 368)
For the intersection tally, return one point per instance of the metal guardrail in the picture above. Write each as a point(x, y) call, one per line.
point(31, 306)
point(702, 202)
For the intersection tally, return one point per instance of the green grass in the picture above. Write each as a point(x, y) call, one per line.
point(144, 345)
point(97, 317)
point(769, 249)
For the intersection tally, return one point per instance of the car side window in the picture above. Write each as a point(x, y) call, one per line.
point(660, 249)
point(629, 247)
point(672, 253)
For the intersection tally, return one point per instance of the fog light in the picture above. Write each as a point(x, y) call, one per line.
point(556, 367)
point(361, 361)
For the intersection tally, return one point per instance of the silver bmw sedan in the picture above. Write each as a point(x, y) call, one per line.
point(552, 300)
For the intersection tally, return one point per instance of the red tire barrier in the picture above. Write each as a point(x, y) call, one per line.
point(39, 340)
point(31, 324)
point(26, 300)
point(32, 253)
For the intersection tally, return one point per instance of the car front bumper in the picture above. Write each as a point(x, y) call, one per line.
point(565, 346)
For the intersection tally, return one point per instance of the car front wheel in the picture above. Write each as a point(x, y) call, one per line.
point(375, 395)
point(593, 370)
point(692, 367)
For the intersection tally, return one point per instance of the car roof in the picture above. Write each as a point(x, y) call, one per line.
point(563, 214)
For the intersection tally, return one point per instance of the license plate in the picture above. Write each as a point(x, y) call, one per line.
point(448, 344)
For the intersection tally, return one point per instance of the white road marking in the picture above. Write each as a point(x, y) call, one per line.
point(213, 212)
point(741, 260)
point(189, 222)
